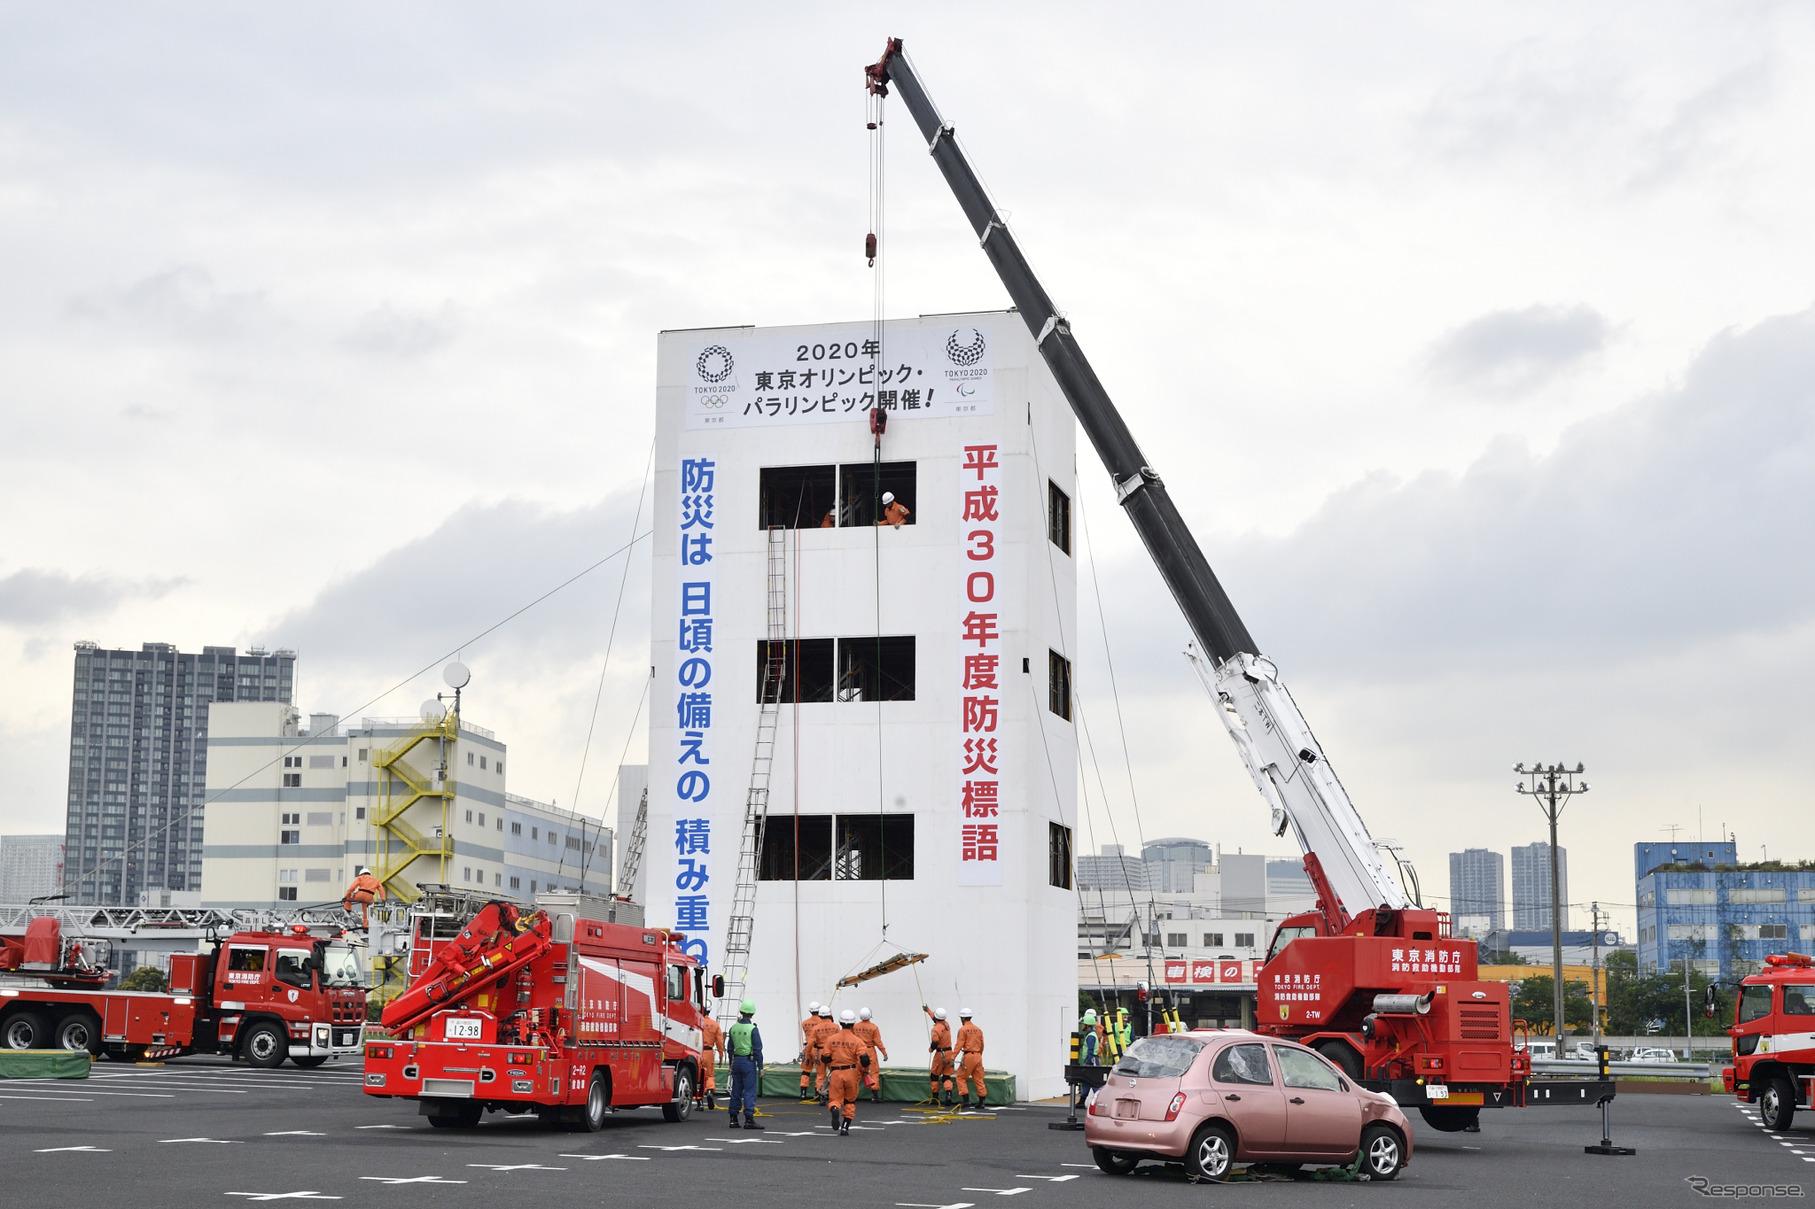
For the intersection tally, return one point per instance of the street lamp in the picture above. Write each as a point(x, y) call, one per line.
point(1553, 785)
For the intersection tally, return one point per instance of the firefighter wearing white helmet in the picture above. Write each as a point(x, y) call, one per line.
point(894, 512)
point(872, 1038)
point(809, 1032)
point(822, 1080)
point(940, 1064)
point(970, 1062)
point(362, 890)
point(845, 1057)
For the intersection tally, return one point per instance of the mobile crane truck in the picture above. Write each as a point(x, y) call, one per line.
point(261, 996)
point(1372, 979)
point(569, 1009)
point(1774, 1039)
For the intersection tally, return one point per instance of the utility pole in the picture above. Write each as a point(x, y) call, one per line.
point(1594, 995)
point(1553, 785)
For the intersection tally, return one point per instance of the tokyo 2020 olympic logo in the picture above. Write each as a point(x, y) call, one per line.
point(715, 363)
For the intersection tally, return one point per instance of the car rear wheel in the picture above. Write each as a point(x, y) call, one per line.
point(1777, 1104)
point(1450, 1120)
point(681, 1107)
point(1113, 1163)
point(24, 1030)
point(1382, 1152)
point(1212, 1154)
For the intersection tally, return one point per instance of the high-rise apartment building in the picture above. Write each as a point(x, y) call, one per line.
point(31, 866)
point(1531, 885)
point(138, 761)
point(1477, 886)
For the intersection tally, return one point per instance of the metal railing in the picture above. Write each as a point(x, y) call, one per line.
point(1625, 1070)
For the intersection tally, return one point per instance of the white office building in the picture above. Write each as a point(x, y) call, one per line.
point(293, 813)
point(921, 790)
point(31, 866)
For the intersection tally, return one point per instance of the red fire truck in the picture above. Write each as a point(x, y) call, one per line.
point(563, 1009)
point(1774, 1039)
point(260, 996)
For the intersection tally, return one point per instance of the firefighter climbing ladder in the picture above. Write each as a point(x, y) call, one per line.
point(736, 961)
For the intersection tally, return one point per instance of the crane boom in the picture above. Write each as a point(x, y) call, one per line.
point(1275, 742)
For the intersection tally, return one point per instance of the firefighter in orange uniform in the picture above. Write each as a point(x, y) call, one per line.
point(362, 889)
point(970, 1061)
point(712, 1044)
point(941, 1050)
point(846, 1057)
point(894, 512)
point(872, 1037)
point(809, 1050)
point(822, 1081)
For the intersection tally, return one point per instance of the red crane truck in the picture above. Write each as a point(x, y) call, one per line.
point(561, 1009)
point(1372, 978)
point(1774, 1039)
point(260, 996)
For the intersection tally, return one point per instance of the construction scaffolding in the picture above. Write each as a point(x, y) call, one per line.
point(735, 963)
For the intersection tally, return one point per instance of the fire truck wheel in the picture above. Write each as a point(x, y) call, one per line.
point(1382, 1152)
point(309, 1063)
point(265, 1045)
point(1113, 1163)
point(463, 1115)
point(598, 1104)
point(1450, 1120)
point(24, 1030)
point(681, 1107)
point(1776, 1103)
point(1211, 1155)
point(1343, 1057)
point(79, 1032)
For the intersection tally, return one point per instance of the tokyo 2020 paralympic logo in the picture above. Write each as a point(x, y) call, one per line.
point(966, 352)
point(715, 363)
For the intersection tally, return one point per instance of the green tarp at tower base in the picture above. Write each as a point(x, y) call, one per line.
point(905, 1084)
point(44, 1064)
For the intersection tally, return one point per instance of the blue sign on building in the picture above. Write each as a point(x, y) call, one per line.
point(1697, 903)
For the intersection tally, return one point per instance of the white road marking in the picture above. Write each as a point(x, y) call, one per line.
point(648, 1147)
point(1055, 1179)
point(284, 1196)
point(747, 1141)
point(295, 1133)
point(515, 1167)
point(953, 1205)
point(593, 1158)
point(410, 1179)
point(1089, 1166)
point(998, 1191)
point(95, 1091)
point(216, 1141)
point(61, 1149)
point(382, 1127)
point(809, 1133)
point(52, 1099)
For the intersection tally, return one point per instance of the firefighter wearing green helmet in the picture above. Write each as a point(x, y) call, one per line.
point(744, 1043)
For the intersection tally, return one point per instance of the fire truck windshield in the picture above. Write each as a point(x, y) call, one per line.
point(340, 966)
point(1285, 936)
point(1754, 1003)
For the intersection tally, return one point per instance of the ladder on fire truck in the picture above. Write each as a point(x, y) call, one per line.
point(736, 961)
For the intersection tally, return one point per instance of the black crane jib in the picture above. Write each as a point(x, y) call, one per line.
point(1143, 496)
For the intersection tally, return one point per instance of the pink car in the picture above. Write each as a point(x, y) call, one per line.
point(1215, 1098)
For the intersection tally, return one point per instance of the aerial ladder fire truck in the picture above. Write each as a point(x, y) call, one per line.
point(570, 1009)
point(1372, 979)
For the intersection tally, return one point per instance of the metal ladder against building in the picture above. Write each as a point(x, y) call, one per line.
point(735, 964)
point(633, 850)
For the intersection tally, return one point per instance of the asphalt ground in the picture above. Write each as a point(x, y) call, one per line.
point(202, 1131)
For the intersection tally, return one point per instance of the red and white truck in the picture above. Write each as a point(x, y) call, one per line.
point(562, 1009)
point(260, 996)
point(1774, 1039)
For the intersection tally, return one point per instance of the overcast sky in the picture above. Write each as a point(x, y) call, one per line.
point(1475, 343)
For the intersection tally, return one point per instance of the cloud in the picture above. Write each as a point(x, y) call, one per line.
point(1681, 518)
point(183, 302)
point(1513, 352)
point(390, 332)
point(34, 597)
point(481, 564)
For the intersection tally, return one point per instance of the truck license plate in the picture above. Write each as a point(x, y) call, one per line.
point(1436, 1091)
point(459, 1029)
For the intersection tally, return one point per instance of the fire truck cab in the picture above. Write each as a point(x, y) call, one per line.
point(1774, 1039)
